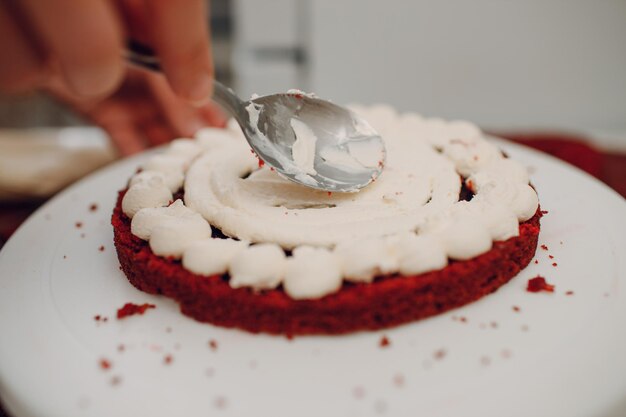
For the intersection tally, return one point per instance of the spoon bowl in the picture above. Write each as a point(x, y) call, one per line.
point(314, 142)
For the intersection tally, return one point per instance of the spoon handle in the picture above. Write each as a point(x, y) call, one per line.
point(144, 57)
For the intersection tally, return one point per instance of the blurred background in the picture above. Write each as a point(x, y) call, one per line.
point(549, 73)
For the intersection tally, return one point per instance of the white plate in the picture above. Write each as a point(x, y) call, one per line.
point(560, 355)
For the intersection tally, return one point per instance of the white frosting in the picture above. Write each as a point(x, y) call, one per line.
point(261, 267)
point(211, 256)
point(408, 221)
point(362, 260)
point(303, 149)
point(170, 230)
point(311, 273)
point(147, 193)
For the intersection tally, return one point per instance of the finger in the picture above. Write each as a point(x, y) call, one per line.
point(182, 117)
point(213, 115)
point(86, 39)
point(127, 139)
point(181, 38)
point(21, 66)
point(158, 133)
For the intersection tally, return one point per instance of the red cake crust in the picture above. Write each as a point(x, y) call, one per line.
point(387, 302)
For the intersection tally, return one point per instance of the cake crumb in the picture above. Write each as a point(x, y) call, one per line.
point(544, 247)
point(105, 364)
point(554, 264)
point(439, 354)
point(93, 207)
point(131, 309)
point(213, 344)
point(101, 248)
point(550, 256)
point(544, 212)
point(358, 392)
point(570, 292)
point(78, 225)
point(398, 380)
point(168, 359)
point(538, 284)
point(116, 380)
point(220, 402)
point(494, 325)
point(384, 342)
point(517, 309)
point(536, 261)
point(121, 348)
point(97, 317)
point(64, 256)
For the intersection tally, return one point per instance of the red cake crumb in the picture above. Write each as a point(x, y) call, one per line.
point(105, 364)
point(516, 309)
point(538, 284)
point(358, 392)
point(131, 309)
point(550, 256)
point(536, 261)
point(398, 380)
point(101, 248)
point(384, 342)
point(463, 319)
point(330, 193)
point(440, 354)
point(220, 402)
point(105, 319)
point(97, 317)
point(544, 212)
point(78, 225)
point(494, 325)
point(261, 163)
point(554, 264)
point(544, 247)
point(93, 207)
point(168, 359)
point(213, 344)
point(569, 292)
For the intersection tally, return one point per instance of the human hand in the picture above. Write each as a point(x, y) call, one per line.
point(143, 112)
point(81, 44)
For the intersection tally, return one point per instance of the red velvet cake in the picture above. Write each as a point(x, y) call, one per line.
point(244, 248)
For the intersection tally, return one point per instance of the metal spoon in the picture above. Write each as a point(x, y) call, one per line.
point(305, 139)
